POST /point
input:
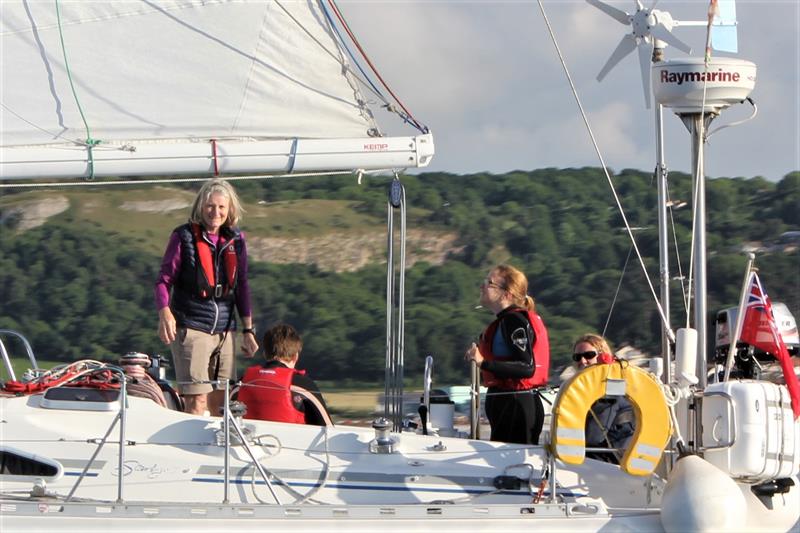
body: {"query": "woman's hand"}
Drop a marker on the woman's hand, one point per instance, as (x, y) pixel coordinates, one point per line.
(474, 354)
(167, 330)
(249, 344)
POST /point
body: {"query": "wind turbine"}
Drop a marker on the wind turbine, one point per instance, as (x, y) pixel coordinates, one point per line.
(651, 32)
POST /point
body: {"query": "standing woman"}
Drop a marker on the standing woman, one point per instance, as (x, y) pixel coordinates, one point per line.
(205, 270)
(514, 357)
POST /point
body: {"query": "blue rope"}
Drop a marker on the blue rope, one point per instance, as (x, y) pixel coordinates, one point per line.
(347, 49)
(405, 117)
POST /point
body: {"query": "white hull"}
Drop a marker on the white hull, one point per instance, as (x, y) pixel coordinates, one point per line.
(158, 517)
(174, 479)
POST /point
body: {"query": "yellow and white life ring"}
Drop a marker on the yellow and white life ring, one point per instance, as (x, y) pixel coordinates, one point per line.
(576, 396)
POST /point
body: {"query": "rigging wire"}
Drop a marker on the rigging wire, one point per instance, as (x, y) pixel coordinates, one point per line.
(682, 279)
(364, 78)
(616, 293)
(659, 308)
(352, 36)
(343, 42)
(684, 293)
(43, 130)
(365, 81)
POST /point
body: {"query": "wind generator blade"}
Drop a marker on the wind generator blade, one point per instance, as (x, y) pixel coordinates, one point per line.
(723, 33)
(625, 47)
(617, 14)
(660, 32)
(644, 66)
(724, 39)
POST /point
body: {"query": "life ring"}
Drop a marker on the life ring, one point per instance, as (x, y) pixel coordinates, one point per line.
(576, 396)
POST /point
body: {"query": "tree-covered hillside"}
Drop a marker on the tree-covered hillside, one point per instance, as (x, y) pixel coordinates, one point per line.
(80, 285)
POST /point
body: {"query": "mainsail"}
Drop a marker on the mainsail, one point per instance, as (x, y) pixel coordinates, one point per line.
(139, 87)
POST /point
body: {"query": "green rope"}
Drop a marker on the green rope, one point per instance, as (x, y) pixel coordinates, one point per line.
(90, 143)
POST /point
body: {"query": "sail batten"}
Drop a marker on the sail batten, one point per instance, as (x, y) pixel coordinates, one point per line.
(180, 71)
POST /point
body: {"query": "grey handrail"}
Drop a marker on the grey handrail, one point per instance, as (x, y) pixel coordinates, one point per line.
(426, 382)
(4, 352)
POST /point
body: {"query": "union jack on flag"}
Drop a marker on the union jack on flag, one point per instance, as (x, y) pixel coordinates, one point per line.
(760, 330)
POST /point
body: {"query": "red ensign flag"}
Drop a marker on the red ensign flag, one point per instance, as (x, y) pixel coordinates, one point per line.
(759, 330)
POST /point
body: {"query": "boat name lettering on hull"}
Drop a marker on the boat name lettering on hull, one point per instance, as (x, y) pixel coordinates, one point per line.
(153, 471)
(681, 77)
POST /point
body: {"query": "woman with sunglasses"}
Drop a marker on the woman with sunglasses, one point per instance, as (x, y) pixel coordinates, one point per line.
(610, 422)
(514, 357)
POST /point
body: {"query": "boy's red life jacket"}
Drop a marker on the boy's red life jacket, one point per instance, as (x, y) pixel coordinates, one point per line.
(268, 395)
(541, 359)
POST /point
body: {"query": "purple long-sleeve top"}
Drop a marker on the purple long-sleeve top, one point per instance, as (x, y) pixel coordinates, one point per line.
(171, 266)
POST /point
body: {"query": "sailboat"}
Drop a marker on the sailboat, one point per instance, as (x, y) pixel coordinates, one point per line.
(202, 87)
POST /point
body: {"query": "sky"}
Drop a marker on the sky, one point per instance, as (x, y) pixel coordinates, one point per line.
(485, 78)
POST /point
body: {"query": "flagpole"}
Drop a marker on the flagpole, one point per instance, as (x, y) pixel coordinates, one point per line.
(748, 275)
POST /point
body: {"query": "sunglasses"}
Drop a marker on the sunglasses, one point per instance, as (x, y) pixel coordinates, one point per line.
(584, 355)
(490, 283)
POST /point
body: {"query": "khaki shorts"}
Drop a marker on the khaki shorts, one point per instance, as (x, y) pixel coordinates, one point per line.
(191, 355)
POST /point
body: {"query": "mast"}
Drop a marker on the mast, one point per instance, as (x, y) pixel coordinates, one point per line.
(663, 238)
(682, 86)
(697, 124)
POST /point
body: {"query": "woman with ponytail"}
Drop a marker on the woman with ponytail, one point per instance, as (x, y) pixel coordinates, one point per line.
(513, 354)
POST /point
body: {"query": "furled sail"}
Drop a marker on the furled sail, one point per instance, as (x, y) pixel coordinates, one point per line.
(143, 87)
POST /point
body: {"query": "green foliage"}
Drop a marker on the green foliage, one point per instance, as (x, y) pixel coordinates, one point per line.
(81, 285)
(77, 292)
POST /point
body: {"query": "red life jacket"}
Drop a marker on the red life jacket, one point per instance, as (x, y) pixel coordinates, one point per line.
(541, 358)
(206, 275)
(269, 396)
(606, 358)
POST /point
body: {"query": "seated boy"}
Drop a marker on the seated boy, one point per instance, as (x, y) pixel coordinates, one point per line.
(266, 389)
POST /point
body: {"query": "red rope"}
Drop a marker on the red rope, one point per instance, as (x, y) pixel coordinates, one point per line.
(214, 156)
(97, 379)
(364, 55)
(539, 494)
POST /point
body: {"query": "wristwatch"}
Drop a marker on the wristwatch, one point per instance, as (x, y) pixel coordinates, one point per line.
(249, 330)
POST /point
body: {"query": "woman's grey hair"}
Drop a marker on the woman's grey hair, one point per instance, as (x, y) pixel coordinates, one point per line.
(214, 186)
